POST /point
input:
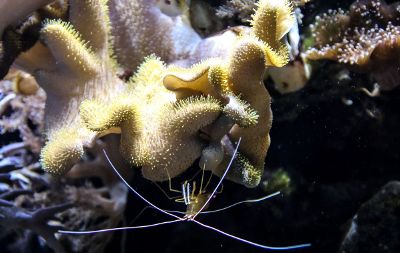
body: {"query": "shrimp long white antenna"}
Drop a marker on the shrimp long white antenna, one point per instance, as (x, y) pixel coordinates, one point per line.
(243, 202)
(298, 246)
(220, 181)
(137, 193)
(116, 229)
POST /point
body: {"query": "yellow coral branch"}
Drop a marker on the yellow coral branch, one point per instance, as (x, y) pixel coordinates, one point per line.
(100, 117)
(68, 47)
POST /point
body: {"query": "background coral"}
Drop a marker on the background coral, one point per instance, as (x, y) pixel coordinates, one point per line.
(366, 38)
(26, 111)
(20, 23)
(169, 37)
(30, 194)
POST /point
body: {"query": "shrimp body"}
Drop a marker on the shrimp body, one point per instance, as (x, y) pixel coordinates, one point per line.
(195, 204)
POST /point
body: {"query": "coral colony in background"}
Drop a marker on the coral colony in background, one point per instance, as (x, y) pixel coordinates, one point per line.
(169, 87)
(366, 38)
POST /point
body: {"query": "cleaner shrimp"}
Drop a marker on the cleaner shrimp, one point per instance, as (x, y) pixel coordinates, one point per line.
(195, 204)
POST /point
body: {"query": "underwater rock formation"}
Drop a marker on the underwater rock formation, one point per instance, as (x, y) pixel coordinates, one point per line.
(243, 9)
(366, 38)
(26, 110)
(376, 221)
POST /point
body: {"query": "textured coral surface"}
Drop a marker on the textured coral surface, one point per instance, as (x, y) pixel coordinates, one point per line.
(224, 94)
(366, 37)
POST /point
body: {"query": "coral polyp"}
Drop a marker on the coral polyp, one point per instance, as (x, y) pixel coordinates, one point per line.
(366, 38)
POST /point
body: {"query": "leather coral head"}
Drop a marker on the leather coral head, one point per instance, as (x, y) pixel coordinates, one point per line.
(167, 116)
(76, 65)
